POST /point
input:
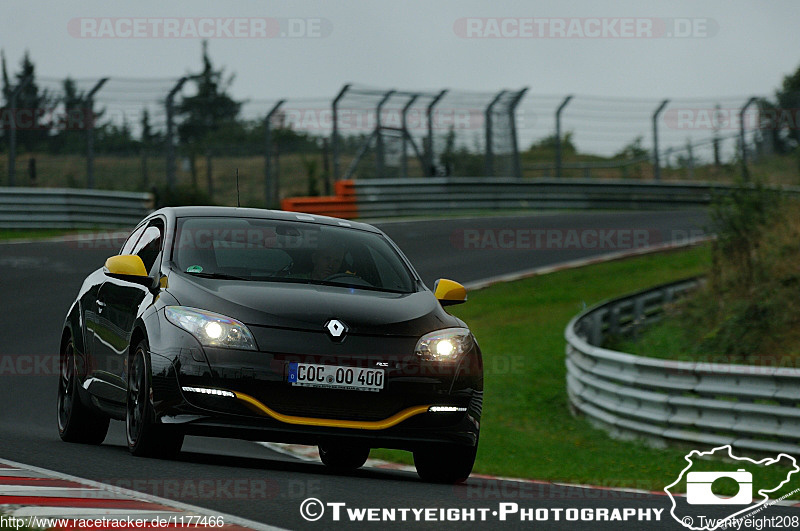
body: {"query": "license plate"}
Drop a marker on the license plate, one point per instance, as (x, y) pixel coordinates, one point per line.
(335, 377)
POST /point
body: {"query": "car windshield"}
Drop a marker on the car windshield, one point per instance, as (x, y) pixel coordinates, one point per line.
(284, 251)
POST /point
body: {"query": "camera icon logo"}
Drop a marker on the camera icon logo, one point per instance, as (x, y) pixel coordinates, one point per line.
(698, 488)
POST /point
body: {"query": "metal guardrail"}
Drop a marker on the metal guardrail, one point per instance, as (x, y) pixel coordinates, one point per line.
(402, 197)
(66, 208)
(749, 407)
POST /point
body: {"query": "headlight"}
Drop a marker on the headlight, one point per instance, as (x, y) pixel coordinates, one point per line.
(211, 329)
(444, 345)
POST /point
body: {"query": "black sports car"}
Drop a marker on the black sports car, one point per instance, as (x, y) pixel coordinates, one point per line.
(271, 326)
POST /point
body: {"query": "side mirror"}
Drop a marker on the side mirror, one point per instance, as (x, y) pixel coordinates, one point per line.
(449, 292)
(128, 267)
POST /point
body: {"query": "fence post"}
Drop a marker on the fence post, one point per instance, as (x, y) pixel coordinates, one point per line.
(270, 183)
(12, 132)
(404, 125)
(171, 132)
(656, 162)
(488, 167)
(429, 170)
(89, 122)
(745, 171)
(716, 124)
(558, 134)
(335, 132)
(512, 117)
(379, 154)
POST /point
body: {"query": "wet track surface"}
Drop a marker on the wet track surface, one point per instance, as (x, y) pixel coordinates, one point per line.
(39, 281)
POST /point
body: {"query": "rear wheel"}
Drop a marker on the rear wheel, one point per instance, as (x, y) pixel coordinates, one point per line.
(146, 438)
(445, 464)
(76, 422)
(343, 458)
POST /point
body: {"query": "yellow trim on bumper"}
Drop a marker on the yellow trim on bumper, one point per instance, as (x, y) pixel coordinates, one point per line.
(397, 418)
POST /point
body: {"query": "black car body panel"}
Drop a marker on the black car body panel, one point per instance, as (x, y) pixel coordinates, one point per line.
(287, 320)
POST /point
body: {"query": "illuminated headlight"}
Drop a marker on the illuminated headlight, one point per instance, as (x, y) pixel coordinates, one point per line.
(211, 329)
(444, 345)
(210, 391)
(446, 409)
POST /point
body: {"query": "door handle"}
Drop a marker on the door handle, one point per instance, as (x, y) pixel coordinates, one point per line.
(100, 306)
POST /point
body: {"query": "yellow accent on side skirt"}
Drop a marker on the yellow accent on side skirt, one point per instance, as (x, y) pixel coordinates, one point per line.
(397, 418)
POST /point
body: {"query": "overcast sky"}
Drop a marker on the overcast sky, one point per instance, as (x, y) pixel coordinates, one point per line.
(736, 47)
(721, 50)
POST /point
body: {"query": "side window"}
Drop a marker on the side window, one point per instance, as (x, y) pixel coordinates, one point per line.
(128, 246)
(149, 245)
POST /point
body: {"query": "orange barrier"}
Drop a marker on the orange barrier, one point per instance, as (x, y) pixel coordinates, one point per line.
(341, 205)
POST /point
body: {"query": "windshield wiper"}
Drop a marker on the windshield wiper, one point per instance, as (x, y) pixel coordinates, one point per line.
(219, 276)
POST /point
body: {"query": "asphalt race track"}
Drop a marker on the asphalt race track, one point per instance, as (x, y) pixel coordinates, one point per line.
(39, 281)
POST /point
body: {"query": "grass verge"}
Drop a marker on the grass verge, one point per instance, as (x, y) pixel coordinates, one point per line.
(527, 430)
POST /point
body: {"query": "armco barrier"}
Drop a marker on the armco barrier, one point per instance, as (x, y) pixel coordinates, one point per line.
(377, 198)
(702, 404)
(66, 208)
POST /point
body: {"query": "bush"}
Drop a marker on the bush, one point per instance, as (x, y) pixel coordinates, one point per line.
(749, 310)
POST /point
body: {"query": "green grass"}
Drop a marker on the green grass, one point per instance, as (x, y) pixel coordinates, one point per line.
(527, 429)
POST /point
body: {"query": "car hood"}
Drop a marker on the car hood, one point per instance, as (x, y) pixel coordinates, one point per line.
(309, 307)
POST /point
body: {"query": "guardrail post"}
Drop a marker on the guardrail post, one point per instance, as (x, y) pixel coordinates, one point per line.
(429, 169)
(270, 184)
(745, 171)
(558, 134)
(171, 131)
(488, 167)
(335, 132)
(596, 333)
(379, 152)
(12, 132)
(405, 133)
(656, 163)
(89, 122)
(512, 117)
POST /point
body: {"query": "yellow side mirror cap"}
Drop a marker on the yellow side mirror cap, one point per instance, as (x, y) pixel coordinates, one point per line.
(449, 292)
(126, 265)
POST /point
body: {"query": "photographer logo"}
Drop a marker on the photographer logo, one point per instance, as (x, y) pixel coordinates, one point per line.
(699, 488)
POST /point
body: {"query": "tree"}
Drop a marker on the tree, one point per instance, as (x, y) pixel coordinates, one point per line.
(33, 131)
(548, 143)
(781, 117)
(633, 150)
(71, 121)
(207, 113)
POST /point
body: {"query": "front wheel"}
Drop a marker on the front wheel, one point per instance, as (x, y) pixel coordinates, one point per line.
(76, 422)
(343, 458)
(146, 438)
(445, 464)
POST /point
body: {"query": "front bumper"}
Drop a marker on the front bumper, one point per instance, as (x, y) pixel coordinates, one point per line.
(256, 402)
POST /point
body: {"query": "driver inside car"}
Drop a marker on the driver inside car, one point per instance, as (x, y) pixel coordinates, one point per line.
(327, 261)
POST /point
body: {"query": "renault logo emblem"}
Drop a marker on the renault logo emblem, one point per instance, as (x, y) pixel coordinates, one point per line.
(336, 329)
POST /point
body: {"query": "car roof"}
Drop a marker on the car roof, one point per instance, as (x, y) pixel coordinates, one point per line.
(239, 212)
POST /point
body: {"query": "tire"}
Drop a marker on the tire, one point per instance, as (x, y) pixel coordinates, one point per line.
(146, 438)
(445, 464)
(343, 458)
(77, 423)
